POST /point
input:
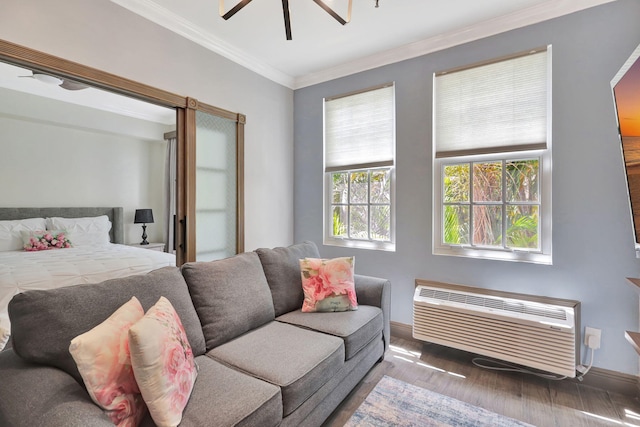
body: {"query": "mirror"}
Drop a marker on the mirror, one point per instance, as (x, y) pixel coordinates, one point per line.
(626, 95)
(71, 144)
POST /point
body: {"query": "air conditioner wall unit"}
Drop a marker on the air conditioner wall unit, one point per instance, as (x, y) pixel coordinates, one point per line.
(538, 332)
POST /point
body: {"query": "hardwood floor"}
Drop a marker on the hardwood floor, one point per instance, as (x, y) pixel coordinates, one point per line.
(537, 401)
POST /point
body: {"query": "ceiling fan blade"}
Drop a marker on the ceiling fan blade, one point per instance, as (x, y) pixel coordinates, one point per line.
(71, 85)
(331, 12)
(287, 18)
(45, 78)
(235, 9)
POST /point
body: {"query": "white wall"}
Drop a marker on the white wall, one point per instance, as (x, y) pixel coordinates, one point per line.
(593, 244)
(47, 163)
(106, 36)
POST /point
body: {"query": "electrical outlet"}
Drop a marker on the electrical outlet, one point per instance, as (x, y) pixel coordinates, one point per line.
(592, 332)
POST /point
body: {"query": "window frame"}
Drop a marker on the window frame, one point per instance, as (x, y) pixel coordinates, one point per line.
(544, 254)
(540, 256)
(328, 238)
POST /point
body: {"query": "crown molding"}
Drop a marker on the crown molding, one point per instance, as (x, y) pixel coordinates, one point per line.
(169, 20)
(533, 15)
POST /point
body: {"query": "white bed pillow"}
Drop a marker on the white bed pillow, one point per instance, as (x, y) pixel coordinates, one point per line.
(10, 237)
(85, 231)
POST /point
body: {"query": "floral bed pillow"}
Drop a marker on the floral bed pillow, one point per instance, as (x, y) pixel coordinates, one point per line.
(102, 356)
(44, 240)
(328, 284)
(163, 363)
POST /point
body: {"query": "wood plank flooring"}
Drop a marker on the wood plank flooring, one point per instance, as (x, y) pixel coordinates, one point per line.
(535, 400)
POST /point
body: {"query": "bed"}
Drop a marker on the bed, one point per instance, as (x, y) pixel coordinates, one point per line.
(99, 255)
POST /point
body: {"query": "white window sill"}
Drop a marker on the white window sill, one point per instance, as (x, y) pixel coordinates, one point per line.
(498, 255)
(360, 244)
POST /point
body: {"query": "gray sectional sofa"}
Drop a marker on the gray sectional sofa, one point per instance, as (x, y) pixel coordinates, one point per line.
(262, 362)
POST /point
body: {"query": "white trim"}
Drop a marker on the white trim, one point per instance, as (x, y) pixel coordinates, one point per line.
(541, 12)
(533, 15)
(169, 20)
(360, 244)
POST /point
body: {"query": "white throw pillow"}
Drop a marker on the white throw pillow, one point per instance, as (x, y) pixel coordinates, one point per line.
(85, 231)
(10, 236)
(102, 356)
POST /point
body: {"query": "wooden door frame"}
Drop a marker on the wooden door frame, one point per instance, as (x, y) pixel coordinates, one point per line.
(185, 131)
(194, 105)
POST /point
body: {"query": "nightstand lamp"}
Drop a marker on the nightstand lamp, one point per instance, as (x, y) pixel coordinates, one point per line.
(144, 217)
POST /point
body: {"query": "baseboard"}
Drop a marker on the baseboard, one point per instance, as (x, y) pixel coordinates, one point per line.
(402, 330)
(613, 381)
(605, 379)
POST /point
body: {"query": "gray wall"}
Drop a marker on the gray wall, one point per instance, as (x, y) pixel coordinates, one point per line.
(106, 36)
(593, 247)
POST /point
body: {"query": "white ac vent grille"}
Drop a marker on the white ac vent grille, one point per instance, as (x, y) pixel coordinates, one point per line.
(495, 303)
(522, 331)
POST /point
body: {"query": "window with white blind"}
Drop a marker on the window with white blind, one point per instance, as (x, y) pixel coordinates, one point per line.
(492, 159)
(359, 159)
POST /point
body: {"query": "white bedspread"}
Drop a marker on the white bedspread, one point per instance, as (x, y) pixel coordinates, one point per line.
(22, 271)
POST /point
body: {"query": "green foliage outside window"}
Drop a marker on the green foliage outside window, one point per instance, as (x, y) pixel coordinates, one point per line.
(361, 204)
(477, 188)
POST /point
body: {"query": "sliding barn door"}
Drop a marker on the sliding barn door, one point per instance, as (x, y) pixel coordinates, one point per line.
(214, 214)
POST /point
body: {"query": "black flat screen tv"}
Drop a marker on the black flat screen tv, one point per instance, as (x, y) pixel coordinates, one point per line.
(626, 95)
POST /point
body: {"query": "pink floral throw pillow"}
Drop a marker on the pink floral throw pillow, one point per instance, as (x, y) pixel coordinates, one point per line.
(328, 284)
(44, 240)
(163, 363)
(102, 356)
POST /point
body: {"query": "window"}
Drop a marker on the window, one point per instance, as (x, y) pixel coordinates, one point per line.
(492, 160)
(359, 151)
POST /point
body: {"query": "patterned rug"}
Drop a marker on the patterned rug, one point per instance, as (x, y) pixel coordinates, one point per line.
(395, 403)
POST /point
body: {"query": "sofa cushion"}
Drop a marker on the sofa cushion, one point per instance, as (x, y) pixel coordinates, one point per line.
(356, 328)
(230, 295)
(38, 395)
(297, 360)
(43, 323)
(225, 397)
(162, 362)
(282, 268)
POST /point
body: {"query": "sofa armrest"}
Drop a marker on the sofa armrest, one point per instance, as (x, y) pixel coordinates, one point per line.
(376, 292)
(36, 395)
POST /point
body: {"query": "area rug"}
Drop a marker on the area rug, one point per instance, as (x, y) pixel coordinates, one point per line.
(395, 403)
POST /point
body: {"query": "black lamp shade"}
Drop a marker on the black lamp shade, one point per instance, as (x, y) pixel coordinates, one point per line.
(143, 216)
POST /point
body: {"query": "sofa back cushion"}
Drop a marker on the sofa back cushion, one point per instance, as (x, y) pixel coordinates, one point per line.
(282, 269)
(230, 295)
(43, 323)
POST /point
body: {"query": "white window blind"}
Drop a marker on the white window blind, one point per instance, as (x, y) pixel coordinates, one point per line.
(360, 130)
(496, 107)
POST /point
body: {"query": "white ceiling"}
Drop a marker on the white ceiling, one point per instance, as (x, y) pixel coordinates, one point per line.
(322, 49)
(16, 78)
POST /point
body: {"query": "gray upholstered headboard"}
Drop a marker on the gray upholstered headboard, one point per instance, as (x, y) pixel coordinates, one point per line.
(115, 216)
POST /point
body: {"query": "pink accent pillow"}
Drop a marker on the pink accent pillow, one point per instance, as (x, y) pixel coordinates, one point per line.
(328, 284)
(163, 363)
(44, 240)
(102, 356)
